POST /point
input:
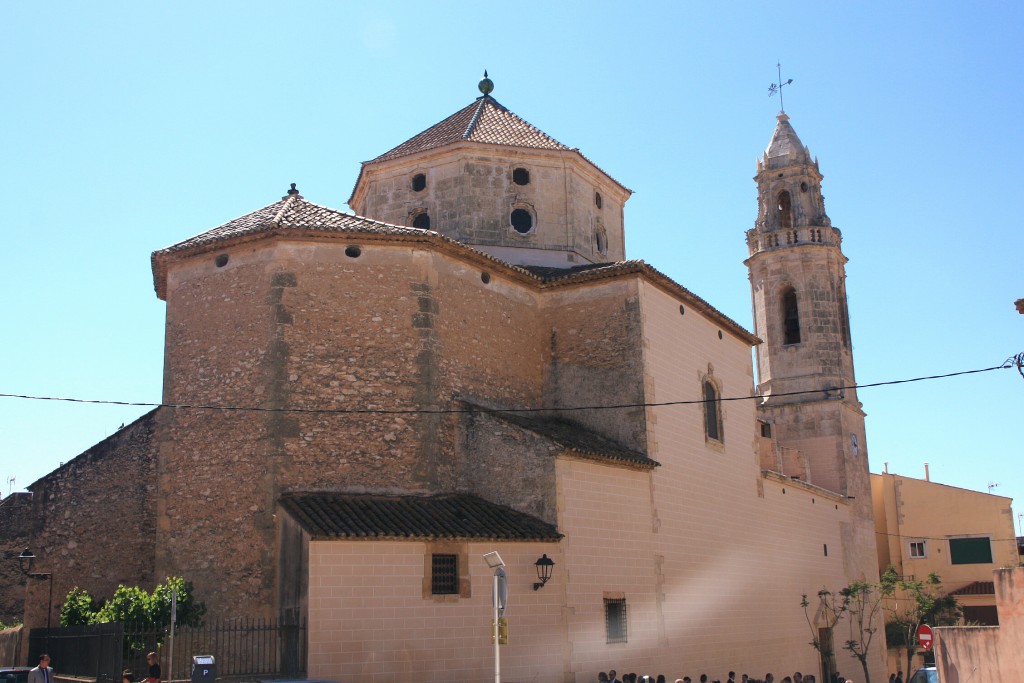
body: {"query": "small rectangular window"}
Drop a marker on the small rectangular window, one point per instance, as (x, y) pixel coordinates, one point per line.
(444, 575)
(615, 620)
(917, 549)
(970, 550)
(766, 430)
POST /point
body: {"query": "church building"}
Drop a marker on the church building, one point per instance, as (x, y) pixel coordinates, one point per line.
(360, 406)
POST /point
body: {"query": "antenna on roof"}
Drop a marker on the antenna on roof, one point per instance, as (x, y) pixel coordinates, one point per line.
(486, 85)
(777, 87)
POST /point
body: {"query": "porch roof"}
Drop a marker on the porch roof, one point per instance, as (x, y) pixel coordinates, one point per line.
(337, 516)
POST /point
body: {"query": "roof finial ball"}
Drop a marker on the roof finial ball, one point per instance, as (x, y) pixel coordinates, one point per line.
(486, 85)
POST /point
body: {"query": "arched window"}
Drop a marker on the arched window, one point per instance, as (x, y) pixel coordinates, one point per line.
(712, 412)
(601, 239)
(785, 210)
(790, 317)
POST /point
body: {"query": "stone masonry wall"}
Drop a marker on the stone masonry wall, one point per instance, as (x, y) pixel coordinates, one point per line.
(95, 521)
(15, 535)
(823, 357)
(469, 197)
(305, 326)
(596, 345)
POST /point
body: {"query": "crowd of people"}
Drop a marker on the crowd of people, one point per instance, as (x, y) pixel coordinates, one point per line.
(612, 676)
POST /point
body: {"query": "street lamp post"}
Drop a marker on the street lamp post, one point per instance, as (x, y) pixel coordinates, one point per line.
(499, 596)
(26, 560)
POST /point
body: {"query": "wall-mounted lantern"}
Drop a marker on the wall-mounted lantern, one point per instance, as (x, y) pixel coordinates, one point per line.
(544, 566)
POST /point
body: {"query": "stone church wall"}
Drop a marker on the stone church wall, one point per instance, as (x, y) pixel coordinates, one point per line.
(95, 520)
(304, 325)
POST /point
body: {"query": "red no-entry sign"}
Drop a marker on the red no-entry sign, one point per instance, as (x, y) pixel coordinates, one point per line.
(924, 636)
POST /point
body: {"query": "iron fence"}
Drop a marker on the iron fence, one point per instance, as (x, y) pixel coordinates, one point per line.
(242, 647)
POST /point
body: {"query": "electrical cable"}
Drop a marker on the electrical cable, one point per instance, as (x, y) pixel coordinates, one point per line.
(1014, 361)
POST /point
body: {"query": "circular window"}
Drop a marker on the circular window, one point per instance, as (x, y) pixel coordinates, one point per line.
(221, 260)
(522, 221)
(521, 176)
(682, 311)
(422, 221)
(419, 182)
(485, 277)
(353, 251)
(597, 200)
(719, 334)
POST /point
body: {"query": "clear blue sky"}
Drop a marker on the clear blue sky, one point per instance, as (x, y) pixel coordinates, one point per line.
(131, 126)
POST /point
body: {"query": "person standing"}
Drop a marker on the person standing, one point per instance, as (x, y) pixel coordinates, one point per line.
(42, 673)
(153, 676)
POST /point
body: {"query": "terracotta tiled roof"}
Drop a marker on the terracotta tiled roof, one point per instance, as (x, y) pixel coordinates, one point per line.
(577, 439)
(486, 121)
(976, 588)
(294, 215)
(292, 212)
(370, 517)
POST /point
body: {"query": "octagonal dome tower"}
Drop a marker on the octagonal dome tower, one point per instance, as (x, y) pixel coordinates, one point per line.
(488, 178)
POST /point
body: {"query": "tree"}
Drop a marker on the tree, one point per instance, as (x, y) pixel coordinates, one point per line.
(860, 602)
(912, 602)
(131, 604)
(79, 608)
(863, 601)
(830, 610)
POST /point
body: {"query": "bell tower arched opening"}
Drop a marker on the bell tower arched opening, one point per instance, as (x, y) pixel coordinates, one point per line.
(784, 210)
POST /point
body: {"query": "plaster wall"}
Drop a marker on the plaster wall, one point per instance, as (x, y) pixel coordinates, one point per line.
(371, 621)
(932, 513)
(987, 654)
(729, 560)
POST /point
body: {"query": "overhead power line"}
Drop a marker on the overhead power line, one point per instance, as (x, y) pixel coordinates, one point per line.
(1014, 361)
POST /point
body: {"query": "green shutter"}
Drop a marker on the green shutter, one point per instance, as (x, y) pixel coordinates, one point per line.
(970, 550)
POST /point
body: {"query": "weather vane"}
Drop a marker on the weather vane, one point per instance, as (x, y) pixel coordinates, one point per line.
(777, 87)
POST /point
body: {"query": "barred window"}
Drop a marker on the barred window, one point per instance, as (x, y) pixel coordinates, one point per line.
(444, 576)
(615, 620)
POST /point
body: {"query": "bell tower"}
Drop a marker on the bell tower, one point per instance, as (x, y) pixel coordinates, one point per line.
(805, 362)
